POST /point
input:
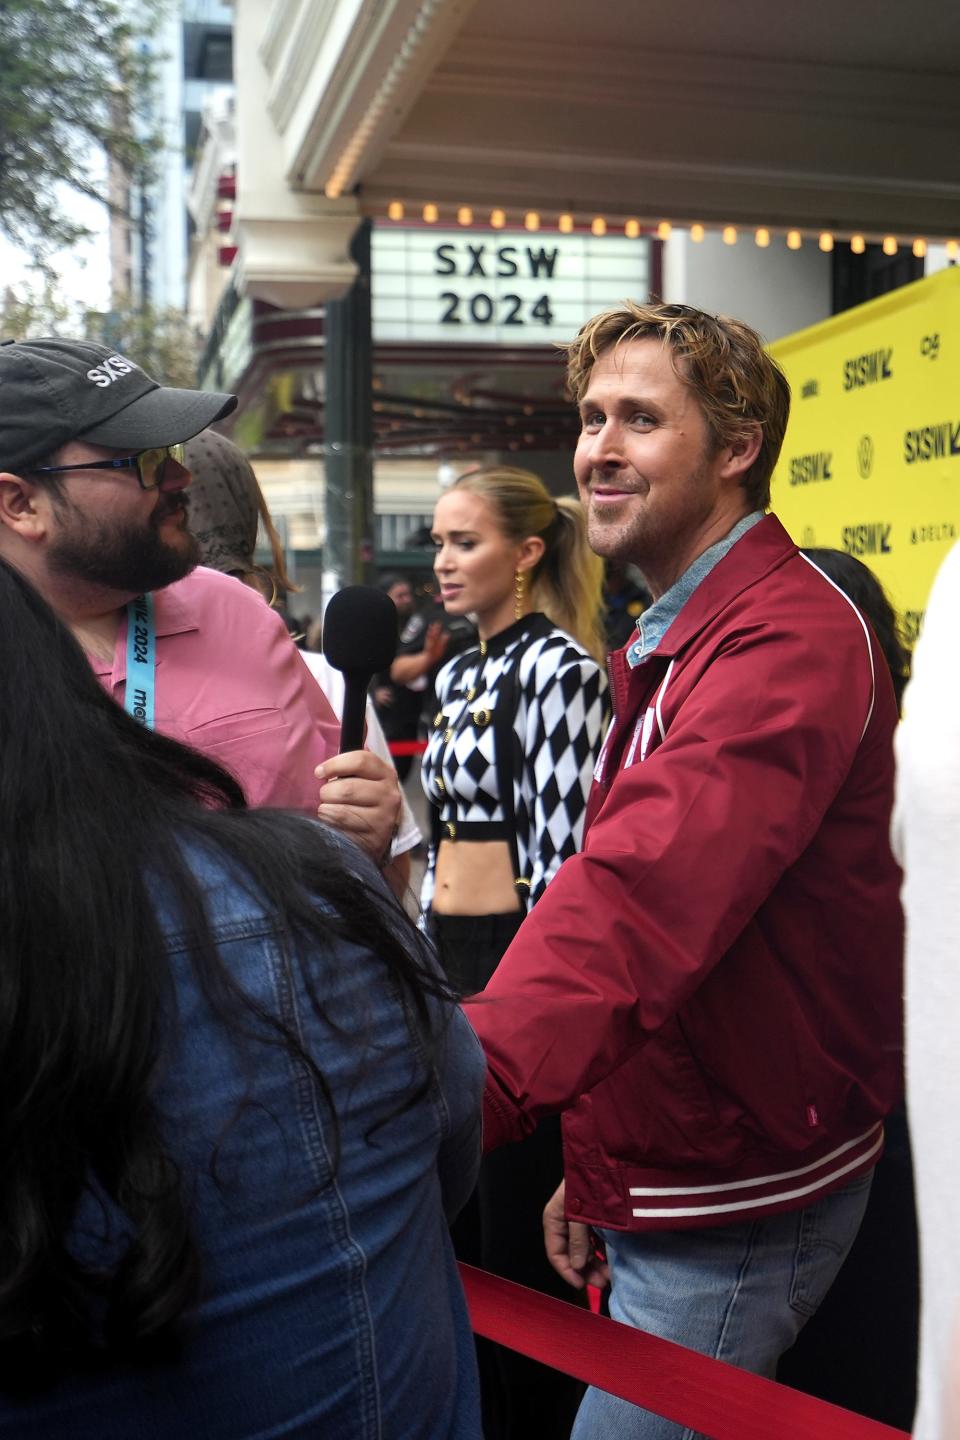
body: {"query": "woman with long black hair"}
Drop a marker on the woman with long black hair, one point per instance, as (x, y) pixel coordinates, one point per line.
(237, 1101)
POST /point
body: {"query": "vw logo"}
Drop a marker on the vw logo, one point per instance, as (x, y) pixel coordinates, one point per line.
(865, 457)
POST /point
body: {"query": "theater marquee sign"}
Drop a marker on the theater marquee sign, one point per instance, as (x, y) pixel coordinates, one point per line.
(498, 287)
(871, 460)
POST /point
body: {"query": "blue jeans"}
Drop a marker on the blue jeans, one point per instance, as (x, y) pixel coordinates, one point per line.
(740, 1293)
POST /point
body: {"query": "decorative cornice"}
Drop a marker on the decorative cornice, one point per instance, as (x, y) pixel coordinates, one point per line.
(291, 52)
(298, 259)
(280, 27)
(346, 77)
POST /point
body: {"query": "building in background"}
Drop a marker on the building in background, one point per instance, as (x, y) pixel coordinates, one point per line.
(778, 171)
(149, 239)
(810, 130)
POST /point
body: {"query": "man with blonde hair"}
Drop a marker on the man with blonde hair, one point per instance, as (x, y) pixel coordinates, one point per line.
(710, 991)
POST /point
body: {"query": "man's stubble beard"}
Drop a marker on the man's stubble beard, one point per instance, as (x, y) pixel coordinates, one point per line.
(629, 541)
(647, 537)
(612, 542)
(126, 558)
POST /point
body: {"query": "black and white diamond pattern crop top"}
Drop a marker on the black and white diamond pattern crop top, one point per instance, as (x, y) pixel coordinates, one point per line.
(558, 692)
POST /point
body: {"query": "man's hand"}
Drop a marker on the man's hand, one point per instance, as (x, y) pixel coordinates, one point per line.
(360, 795)
(406, 669)
(435, 643)
(570, 1246)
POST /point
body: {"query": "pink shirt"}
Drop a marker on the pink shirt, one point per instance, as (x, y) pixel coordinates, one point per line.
(231, 682)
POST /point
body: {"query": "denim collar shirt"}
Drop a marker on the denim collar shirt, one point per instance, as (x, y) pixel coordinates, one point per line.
(656, 621)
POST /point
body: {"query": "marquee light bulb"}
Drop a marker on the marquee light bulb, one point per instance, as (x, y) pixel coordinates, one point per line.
(729, 235)
(953, 249)
(531, 221)
(697, 233)
(664, 230)
(632, 229)
(497, 219)
(395, 210)
(762, 237)
(464, 215)
(598, 225)
(919, 248)
(565, 224)
(889, 245)
(794, 239)
(826, 242)
(857, 244)
(430, 214)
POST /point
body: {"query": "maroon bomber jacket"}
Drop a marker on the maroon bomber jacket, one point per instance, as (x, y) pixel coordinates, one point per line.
(711, 990)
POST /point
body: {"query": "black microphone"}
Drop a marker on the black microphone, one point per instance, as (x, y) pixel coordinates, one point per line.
(360, 630)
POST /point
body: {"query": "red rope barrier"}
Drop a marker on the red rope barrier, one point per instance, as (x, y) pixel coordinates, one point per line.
(707, 1395)
(406, 747)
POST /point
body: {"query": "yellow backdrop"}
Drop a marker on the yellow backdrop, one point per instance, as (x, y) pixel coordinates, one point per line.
(871, 459)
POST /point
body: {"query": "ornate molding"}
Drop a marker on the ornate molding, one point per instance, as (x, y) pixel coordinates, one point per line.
(292, 53)
(347, 76)
(297, 259)
(280, 27)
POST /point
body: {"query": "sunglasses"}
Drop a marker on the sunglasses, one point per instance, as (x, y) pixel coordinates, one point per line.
(150, 465)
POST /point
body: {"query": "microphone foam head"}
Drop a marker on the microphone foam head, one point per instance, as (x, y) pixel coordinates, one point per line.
(360, 629)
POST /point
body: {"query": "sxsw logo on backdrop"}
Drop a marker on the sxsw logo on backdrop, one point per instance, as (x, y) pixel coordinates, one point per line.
(809, 389)
(932, 442)
(872, 539)
(808, 469)
(868, 369)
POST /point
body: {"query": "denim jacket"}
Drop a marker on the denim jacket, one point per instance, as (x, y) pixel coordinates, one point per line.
(331, 1303)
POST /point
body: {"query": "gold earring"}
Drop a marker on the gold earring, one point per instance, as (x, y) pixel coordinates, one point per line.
(519, 593)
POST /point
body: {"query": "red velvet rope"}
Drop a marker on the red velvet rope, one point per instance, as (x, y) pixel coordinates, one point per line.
(707, 1395)
(406, 747)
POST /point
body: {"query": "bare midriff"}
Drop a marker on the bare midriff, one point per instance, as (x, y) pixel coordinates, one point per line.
(474, 877)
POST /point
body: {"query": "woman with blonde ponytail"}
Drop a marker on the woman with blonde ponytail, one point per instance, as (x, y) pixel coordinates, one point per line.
(568, 585)
(509, 764)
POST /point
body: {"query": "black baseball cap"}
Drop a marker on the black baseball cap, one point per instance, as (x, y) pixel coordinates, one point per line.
(54, 390)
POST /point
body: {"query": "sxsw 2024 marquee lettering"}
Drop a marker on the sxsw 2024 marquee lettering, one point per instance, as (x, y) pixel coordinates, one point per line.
(501, 262)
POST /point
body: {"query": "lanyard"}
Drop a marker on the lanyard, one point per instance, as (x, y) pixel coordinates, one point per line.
(141, 687)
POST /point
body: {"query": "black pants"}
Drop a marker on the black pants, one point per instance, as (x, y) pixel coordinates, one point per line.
(500, 1228)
